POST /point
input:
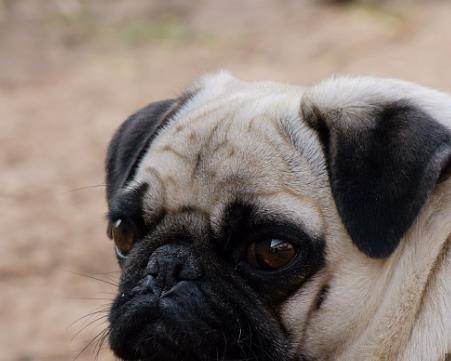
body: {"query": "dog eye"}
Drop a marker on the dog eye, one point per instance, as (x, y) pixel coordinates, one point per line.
(271, 254)
(123, 238)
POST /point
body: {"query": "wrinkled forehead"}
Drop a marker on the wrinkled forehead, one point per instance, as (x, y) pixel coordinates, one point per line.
(245, 142)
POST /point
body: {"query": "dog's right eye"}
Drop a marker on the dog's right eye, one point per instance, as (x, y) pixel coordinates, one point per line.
(271, 254)
(123, 238)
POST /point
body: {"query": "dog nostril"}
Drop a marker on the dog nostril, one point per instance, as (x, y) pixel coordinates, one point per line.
(171, 264)
(148, 285)
(148, 281)
(189, 272)
(178, 267)
(152, 267)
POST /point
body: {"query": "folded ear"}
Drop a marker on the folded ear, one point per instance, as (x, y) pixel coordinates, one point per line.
(132, 139)
(384, 158)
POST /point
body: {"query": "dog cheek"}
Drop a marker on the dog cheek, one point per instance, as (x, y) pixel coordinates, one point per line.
(297, 311)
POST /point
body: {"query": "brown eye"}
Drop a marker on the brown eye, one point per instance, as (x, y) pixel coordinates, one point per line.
(123, 238)
(271, 254)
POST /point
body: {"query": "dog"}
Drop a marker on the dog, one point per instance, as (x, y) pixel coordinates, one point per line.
(265, 221)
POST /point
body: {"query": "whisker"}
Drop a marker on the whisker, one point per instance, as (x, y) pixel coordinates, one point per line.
(90, 298)
(111, 278)
(96, 278)
(103, 310)
(89, 344)
(86, 326)
(108, 278)
(101, 341)
(106, 273)
(87, 187)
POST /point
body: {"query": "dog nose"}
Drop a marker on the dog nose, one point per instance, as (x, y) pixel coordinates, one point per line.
(170, 264)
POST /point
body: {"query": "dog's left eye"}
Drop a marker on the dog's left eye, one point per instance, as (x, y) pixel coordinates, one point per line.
(123, 238)
(271, 254)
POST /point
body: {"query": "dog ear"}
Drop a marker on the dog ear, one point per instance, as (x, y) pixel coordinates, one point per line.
(132, 139)
(384, 159)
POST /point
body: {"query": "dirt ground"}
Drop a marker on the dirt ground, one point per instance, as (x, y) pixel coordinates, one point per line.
(72, 70)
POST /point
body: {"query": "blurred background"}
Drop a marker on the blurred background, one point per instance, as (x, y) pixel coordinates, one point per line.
(72, 70)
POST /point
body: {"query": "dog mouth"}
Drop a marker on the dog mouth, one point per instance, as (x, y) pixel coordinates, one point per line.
(151, 326)
(192, 325)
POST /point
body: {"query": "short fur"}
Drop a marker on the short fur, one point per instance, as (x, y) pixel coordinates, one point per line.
(354, 171)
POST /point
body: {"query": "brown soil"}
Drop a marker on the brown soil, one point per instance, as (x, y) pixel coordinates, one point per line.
(72, 70)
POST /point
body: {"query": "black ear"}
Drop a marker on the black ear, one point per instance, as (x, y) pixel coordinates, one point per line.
(383, 161)
(131, 141)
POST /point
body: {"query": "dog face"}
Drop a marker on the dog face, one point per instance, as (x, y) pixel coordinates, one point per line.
(250, 218)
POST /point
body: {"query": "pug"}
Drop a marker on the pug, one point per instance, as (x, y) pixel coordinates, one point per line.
(265, 221)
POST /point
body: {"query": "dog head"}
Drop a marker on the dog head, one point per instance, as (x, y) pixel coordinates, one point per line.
(247, 217)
